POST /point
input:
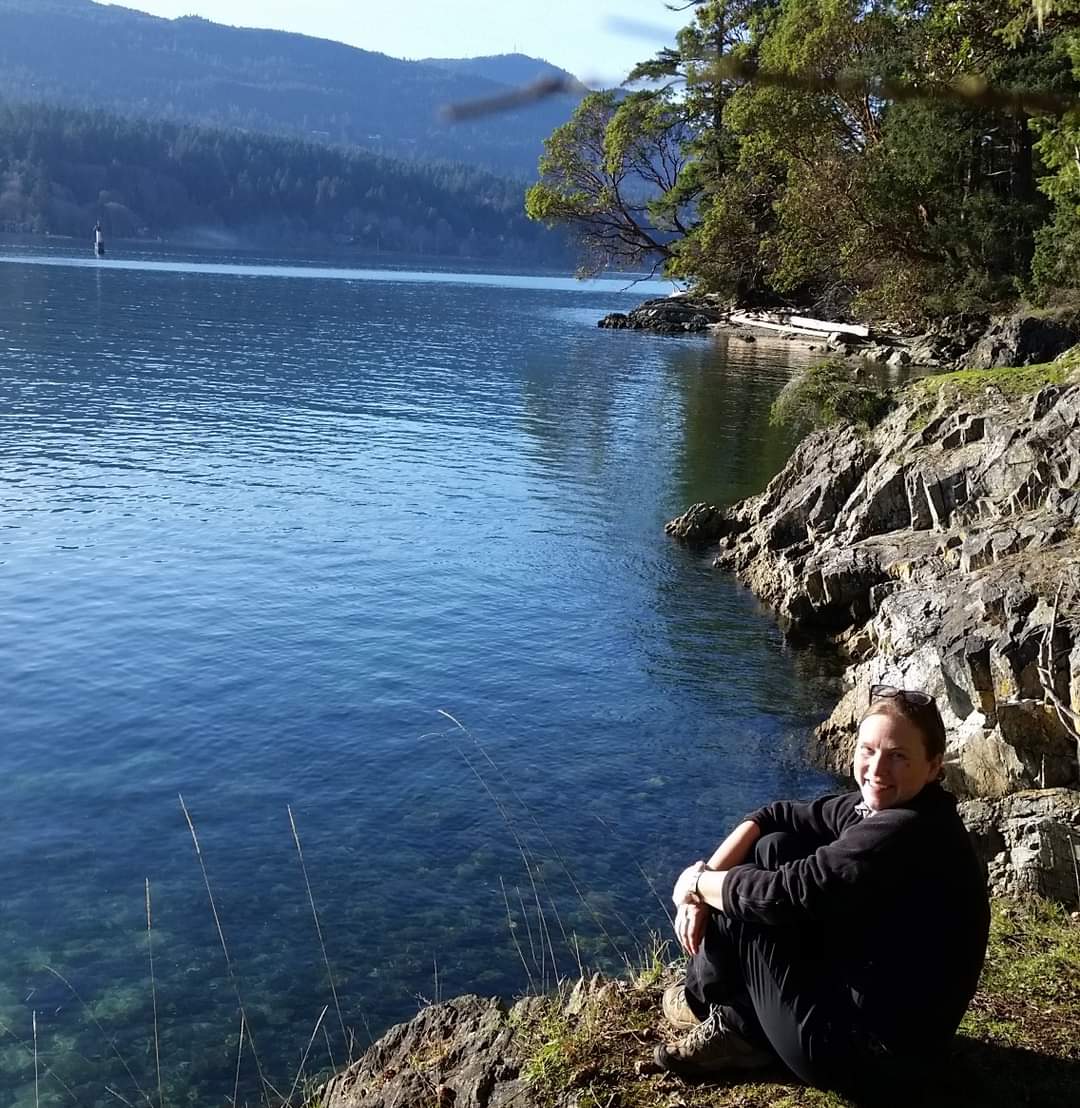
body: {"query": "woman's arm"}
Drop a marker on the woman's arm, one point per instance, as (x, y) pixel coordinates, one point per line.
(700, 886)
(735, 849)
(703, 881)
(823, 820)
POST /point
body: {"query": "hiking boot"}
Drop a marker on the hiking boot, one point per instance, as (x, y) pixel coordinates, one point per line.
(676, 1010)
(711, 1047)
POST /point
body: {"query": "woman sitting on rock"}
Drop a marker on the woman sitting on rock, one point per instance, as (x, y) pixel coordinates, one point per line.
(843, 937)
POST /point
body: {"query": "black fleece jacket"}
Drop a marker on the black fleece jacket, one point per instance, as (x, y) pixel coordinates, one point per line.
(899, 897)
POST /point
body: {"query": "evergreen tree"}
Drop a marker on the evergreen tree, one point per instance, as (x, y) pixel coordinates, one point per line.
(813, 186)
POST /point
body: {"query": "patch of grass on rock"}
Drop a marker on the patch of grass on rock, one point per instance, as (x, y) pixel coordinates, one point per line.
(1010, 381)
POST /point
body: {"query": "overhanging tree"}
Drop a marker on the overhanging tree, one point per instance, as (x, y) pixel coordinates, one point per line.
(631, 171)
(611, 174)
(849, 175)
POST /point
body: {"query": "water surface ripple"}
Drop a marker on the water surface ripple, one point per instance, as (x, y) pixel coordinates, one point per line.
(254, 534)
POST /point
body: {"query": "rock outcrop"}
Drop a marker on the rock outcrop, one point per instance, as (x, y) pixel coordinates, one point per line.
(668, 315)
(1022, 339)
(1029, 842)
(975, 341)
(470, 1052)
(462, 1053)
(942, 552)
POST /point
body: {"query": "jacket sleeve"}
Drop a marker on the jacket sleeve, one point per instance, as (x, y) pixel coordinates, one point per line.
(832, 881)
(823, 819)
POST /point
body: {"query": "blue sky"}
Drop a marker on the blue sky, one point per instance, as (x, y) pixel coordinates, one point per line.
(579, 35)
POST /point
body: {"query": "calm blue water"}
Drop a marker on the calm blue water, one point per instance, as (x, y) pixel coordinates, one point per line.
(258, 526)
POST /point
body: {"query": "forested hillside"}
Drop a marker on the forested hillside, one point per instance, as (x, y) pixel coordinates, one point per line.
(862, 170)
(506, 69)
(62, 169)
(83, 54)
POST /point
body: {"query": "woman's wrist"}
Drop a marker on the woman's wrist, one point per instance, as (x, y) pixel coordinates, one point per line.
(711, 892)
(697, 883)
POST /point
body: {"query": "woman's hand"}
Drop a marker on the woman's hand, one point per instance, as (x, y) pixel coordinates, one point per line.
(690, 923)
(684, 888)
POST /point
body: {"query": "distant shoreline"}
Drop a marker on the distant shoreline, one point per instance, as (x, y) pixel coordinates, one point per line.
(302, 256)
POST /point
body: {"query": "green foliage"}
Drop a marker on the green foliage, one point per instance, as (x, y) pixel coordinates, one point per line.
(554, 1040)
(62, 169)
(835, 198)
(629, 172)
(615, 174)
(652, 964)
(827, 393)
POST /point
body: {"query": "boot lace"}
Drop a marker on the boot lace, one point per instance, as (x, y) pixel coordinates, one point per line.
(711, 1028)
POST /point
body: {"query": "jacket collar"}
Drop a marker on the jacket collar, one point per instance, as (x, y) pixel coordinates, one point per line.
(930, 798)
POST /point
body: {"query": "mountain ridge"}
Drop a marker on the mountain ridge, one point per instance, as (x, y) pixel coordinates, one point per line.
(88, 55)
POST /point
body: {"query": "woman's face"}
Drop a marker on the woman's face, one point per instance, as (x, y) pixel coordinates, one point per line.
(891, 765)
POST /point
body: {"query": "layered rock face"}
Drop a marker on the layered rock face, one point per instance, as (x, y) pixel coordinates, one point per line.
(942, 550)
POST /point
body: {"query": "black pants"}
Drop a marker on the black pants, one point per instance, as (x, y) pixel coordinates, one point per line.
(779, 987)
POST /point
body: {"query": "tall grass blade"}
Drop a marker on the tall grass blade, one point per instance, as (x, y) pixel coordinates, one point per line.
(329, 1049)
(528, 927)
(239, 1054)
(307, 1051)
(547, 838)
(545, 933)
(37, 1101)
(645, 877)
(526, 856)
(29, 1048)
(565, 937)
(153, 994)
(318, 926)
(513, 935)
(225, 950)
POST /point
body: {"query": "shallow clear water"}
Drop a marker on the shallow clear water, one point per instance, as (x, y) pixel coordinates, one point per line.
(257, 527)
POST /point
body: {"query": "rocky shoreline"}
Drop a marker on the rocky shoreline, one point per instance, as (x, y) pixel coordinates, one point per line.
(978, 341)
(941, 551)
(589, 1044)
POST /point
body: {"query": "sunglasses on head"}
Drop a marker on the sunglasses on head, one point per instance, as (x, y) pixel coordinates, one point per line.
(914, 697)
